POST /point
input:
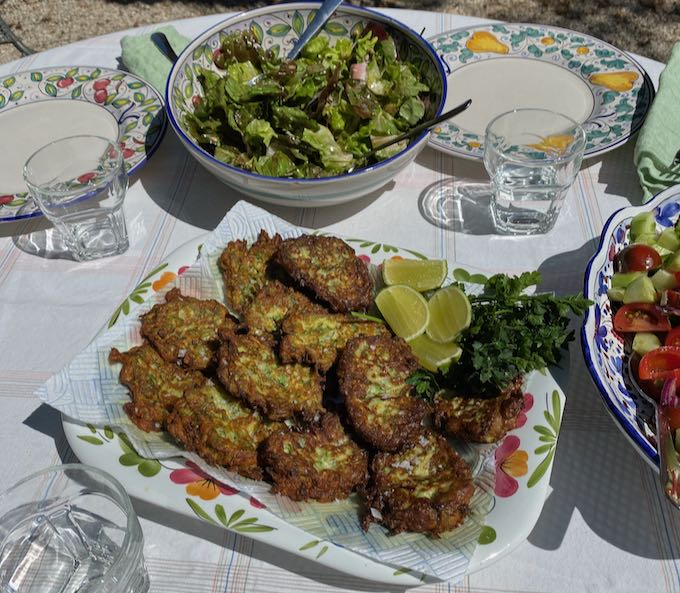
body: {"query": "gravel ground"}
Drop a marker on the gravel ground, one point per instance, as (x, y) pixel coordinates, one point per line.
(646, 27)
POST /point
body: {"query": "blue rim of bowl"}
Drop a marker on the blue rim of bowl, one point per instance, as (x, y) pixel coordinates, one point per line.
(644, 447)
(191, 143)
(152, 149)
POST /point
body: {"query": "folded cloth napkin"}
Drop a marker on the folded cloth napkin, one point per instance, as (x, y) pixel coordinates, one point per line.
(659, 141)
(142, 58)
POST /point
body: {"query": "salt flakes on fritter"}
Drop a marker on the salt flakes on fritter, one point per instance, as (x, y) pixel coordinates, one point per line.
(245, 269)
(155, 385)
(329, 268)
(318, 338)
(480, 420)
(372, 374)
(221, 429)
(321, 463)
(249, 369)
(184, 329)
(424, 489)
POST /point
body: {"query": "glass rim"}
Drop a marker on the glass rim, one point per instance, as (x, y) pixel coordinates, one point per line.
(572, 155)
(90, 187)
(132, 522)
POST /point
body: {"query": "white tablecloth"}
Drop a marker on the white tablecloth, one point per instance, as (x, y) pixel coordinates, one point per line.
(605, 525)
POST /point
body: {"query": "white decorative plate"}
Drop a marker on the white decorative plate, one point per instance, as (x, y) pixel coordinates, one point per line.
(602, 346)
(40, 106)
(507, 66)
(523, 460)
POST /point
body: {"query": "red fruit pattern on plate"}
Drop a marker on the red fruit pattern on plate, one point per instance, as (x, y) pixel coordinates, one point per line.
(6, 199)
(100, 95)
(196, 100)
(100, 85)
(65, 82)
(85, 177)
(128, 153)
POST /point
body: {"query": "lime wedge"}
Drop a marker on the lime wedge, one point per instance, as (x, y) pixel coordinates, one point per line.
(432, 355)
(404, 309)
(450, 314)
(419, 274)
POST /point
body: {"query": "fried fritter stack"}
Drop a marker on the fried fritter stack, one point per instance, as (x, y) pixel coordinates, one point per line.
(298, 390)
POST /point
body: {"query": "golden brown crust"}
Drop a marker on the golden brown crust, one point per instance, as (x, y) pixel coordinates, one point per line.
(330, 269)
(221, 429)
(155, 385)
(372, 374)
(424, 489)
(272, 304)
(318, 338)
(321, 463)
(184, 329)
(480, 420)
(250, 370)
(245, 269)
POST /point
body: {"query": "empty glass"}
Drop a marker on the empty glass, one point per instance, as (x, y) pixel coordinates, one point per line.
(79, 184)
(532, 157)
(70, 528)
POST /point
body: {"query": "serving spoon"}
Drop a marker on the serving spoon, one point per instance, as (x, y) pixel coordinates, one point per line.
(325, 11)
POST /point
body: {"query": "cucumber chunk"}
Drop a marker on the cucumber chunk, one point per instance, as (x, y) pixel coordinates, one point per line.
(643, 223)
(640, 290)
(669, 239)
(644, 342)
(662, 280)
(673, 262)
(623, 279)
(616, 294)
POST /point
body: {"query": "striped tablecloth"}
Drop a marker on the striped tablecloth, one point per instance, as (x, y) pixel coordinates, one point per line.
(605, 525)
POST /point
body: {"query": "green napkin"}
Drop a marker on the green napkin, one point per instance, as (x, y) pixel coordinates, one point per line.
(142, 58)
(659, 139)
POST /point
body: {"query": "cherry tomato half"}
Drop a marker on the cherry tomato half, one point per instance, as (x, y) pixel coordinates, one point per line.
(638, 258)
(671, 298)
(661, 363)
(641, 317)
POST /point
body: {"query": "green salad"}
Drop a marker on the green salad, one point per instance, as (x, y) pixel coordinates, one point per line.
(315, 116)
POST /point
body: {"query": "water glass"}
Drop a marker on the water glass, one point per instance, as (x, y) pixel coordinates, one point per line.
(70, 528)
(79, 183)
(532, 157)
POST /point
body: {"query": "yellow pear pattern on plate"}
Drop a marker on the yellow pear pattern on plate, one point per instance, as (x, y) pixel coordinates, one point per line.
(616, 81)
(556, 144)
(483, 41)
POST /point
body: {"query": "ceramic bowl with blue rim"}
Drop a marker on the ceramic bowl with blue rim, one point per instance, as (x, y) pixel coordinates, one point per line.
(278, 28)
(603, 348)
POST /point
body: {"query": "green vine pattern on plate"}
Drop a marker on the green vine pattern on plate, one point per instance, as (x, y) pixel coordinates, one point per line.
(137, 295)
(233, 522)
(548, 436)
(313, 544)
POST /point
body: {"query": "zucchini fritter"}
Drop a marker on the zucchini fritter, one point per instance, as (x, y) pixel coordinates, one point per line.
(318, 338)
(372, 375)
(220, 428)
(330, 269)
(272, 304)
(250, 370)
(245, 269)
(155, 385)
(480, 420)
(321, 463)
(425, 489)
(184, 329)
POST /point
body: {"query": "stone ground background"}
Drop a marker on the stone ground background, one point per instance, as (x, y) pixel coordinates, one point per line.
(646, 27)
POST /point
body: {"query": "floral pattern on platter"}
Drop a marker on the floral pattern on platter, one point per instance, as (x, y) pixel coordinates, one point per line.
(277, 32)
(603, 348)
(135, 105)
(621, 90)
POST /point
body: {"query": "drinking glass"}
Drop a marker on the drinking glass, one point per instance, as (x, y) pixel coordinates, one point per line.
(79, 183)
(532, 157)
(70, 528)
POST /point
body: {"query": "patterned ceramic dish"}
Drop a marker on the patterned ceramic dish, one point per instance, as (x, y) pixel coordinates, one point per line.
(523, 462)
(602, 347)
(507, 66)
(278, 27)
(40, 106)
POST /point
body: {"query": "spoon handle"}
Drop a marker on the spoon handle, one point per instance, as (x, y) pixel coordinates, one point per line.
(163, 44)
(322, 15)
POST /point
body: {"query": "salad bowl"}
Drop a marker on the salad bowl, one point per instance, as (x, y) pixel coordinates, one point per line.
(603, 348)
(277, 28)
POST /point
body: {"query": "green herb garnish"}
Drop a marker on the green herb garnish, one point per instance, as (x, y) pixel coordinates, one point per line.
(424, 383)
